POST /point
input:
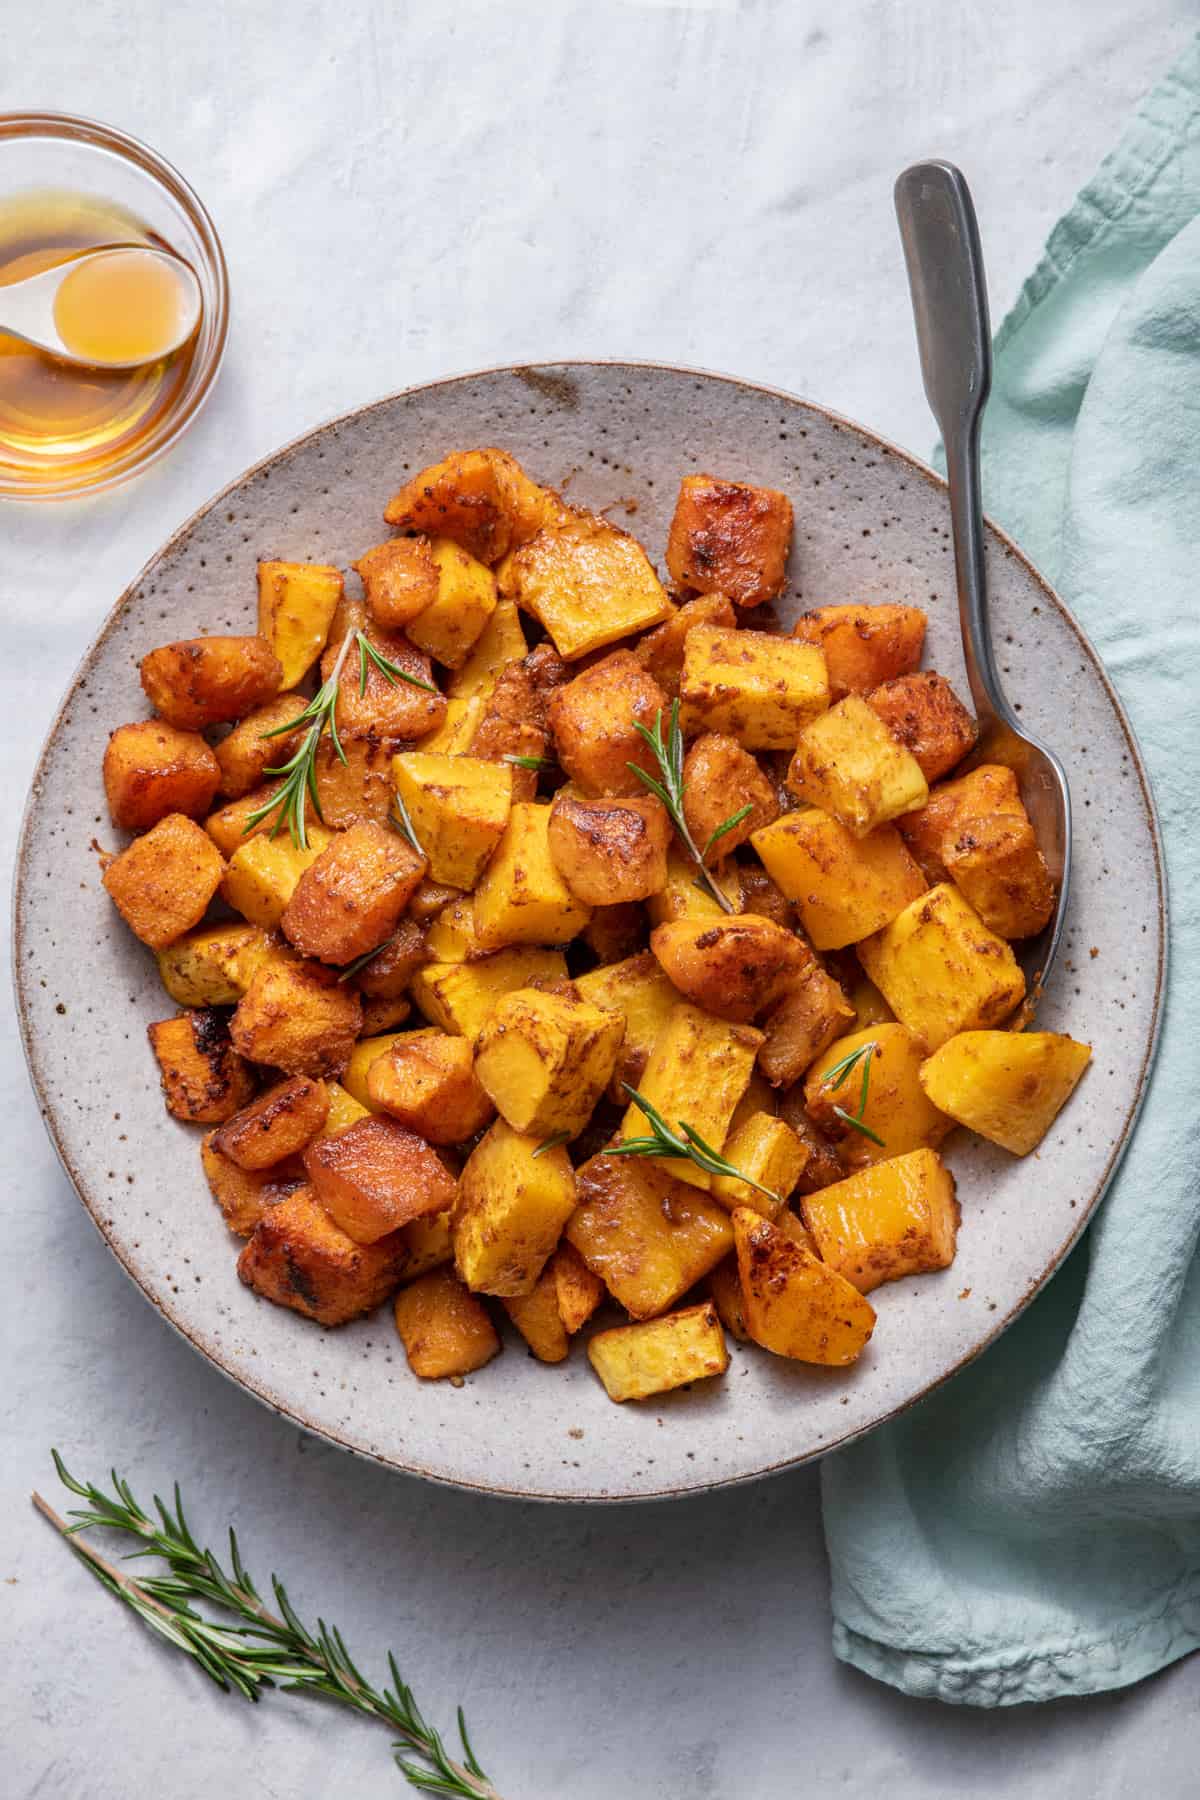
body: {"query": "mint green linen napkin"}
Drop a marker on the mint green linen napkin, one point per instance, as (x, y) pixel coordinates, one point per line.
(1033, 1529)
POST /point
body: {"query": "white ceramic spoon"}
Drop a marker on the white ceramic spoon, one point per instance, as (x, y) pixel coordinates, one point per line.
(28, 308)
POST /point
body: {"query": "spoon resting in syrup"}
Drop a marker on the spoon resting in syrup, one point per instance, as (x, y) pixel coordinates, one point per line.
(114, 308)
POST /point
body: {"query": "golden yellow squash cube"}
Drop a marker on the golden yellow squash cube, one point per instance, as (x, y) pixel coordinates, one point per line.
(545, 1060)
(522, 898)
(794, 1304)
(647, 1236)
(635, 1361)
(845, 887)
(941, 970)
(645, 998)
(586, 581)
(698, 1070)
(456, 732)
(511, 1208)
(212, 966)
(466, 600)
(344, 1110)
(444, 1329)
(537, 1318)
(896, 1218)
(265, 872)
(752, 685)
(460, 996)
(428, 1243)
(501, 642)
(451, 935)
(897, 1108)
(364, 1054)
(848, 763)
(578, 1291)
(684, 898)
(296, 604)
(1008, 1086)
(458, 806)
(769, 1152)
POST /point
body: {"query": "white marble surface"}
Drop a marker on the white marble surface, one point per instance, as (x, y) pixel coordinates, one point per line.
(403, 192)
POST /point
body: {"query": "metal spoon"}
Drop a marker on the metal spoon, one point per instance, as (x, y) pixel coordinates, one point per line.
(27, 308)
(949, 295)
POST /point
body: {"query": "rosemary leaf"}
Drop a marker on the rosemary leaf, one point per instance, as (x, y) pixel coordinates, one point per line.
(552, 1143)
(360, 962)
(391, 671)
(404, 824)
(686, 1143)
(527, 762)
(668, 787)
(841, 1072)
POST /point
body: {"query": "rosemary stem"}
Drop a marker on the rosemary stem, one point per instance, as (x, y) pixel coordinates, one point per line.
(110, 1570)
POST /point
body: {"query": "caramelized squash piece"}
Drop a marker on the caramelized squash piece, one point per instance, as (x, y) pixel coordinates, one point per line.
(731, 537)
(299, 1258)
(445, 1330)
(377, 1176)
(152, 769)
(207, 681)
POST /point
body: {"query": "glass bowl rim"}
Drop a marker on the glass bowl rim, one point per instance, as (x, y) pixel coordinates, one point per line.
(74, 128)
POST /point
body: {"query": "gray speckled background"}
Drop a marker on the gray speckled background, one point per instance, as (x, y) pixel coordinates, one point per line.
(707, 183)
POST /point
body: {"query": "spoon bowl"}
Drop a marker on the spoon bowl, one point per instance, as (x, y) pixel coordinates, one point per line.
(120, 306)
(940, 235)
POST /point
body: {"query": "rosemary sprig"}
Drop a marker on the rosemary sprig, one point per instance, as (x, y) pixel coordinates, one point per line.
(552, 1143)
(668, 754)
(404, 824)
(686, 1142)
(299, 784)
(360, 962)
(527, 762)
(842, 1071)
(250, 1649)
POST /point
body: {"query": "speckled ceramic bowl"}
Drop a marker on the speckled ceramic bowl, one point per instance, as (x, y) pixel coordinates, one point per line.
(871, 524)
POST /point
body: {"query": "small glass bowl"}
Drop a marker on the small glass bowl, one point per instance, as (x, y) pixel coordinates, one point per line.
(59, 151)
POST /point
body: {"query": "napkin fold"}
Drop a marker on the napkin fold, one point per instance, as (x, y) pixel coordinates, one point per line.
(1033, 1528)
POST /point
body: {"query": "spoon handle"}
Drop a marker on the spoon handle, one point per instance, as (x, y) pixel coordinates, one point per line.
(949, 295)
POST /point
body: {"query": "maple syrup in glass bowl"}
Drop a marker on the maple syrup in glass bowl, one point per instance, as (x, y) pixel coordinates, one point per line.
(68, 185)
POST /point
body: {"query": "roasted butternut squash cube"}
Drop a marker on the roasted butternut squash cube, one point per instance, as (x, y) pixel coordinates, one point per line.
(298, 1257)
(430, 1244)
(941, 970)
(751, 685)
(162, 883)
(297, 1017)
(646, 1235)
(720, 780)
(375, 1177)
(923, 713)
(537, 1318)
(610, 851)
(767, 1151)
(586, 581)
(427, 1080)
(245, 1195)
(844, 887)
(359, 788)
(204, 1080)
(212, 966)
(730, 537)
(350, 899)
(296, 604)
(522, 898)
(793, 1304)
(252, 747)
(387, 708)
(636, 1361)
(898, 1218)
(344, 1110)
(870, 1007)
(451, 936)
(698, 1070)
(1008, 1086)
(445, 1330)
(577, 1291)
(514, 1197)
(381, 1015)
(207, 681)
(460, 997)
(989, 792)
(264, 873)
(882, 1090)
(811, 1014)
(848, 763)
(152, 769)
(725, 1287)
(400, 580)
(363, 1057)
(645, 998)
(386, 976)
(459, 807)
(456, 732)
(683, 897)
(757, 1097)
(233, 825)
(734, 967)
(481, 498)
(545, 1060)
(593, 721)
(499, 645)
(277, 1124)
(466, 600)
(997, 864)
(660, 652)
(864, 646)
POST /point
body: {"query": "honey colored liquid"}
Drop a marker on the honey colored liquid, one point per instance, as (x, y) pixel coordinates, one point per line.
(57, 422)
